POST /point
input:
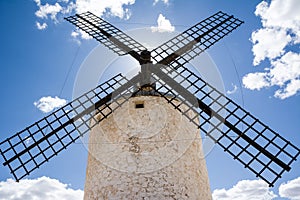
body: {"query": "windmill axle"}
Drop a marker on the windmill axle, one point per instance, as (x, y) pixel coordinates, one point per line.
(145, 57)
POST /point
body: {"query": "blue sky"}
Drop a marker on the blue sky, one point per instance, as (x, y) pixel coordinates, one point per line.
(41, 55)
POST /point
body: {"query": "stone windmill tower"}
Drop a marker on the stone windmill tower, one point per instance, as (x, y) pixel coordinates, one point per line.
(144, 138)
(151, 156)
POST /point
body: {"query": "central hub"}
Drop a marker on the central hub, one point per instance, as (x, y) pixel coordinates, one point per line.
(145, 57)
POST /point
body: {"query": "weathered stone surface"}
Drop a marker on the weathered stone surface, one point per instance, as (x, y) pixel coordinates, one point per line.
(146, 153)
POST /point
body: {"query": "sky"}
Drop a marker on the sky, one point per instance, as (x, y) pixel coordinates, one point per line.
(41, 55)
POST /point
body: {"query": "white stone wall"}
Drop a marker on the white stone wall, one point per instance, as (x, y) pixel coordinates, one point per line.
(146, 153)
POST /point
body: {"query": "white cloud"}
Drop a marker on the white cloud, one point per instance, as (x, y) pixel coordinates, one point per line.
(291, 89)
(234, 89)
(164, 1)
(68, 8)
(283, 73)
(48, 10)
(48, 104)
(264, 45)
(98, 7)
(115, 8)
(255, 80)
(42, 188)
(291, 189)
(245, 190)
(280, 30)
(281, 23)
(41, 26)
(279, 14)
(74, 34)
(163, 25)
(80, 33)
(285, 69)
(38, 2)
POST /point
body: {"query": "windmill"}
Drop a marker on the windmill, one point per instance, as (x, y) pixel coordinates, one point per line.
(163, 75)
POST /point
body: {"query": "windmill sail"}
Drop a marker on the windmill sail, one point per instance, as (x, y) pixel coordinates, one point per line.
(27, 150)
(107, 34)
(247, 139)
(190, 43)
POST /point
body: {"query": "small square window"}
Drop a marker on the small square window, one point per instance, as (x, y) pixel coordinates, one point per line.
(139, 104)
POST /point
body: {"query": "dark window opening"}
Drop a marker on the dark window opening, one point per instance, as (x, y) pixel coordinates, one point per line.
(139, 105)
